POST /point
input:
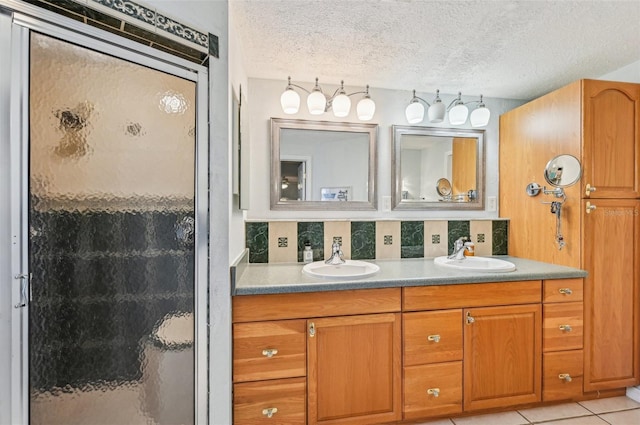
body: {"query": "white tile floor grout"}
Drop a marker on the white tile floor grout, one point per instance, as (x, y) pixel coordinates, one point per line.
(606, 411)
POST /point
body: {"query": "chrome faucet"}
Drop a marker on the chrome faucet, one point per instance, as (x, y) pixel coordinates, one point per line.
(458, 249)
(337, 257)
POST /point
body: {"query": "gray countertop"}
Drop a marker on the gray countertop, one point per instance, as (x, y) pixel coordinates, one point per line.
(279, 278)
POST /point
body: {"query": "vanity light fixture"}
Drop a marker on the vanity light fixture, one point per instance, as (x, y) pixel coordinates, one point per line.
(458, 111)
(319, 103)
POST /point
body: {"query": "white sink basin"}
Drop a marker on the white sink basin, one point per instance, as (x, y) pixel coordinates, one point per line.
(477, 264)
(351, 269)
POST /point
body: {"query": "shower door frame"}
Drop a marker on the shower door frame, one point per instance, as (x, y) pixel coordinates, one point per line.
(70, 31)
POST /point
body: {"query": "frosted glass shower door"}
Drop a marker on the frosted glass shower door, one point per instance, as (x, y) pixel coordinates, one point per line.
(111, 239)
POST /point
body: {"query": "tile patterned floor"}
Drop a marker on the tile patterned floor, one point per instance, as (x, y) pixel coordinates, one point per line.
(607, 411)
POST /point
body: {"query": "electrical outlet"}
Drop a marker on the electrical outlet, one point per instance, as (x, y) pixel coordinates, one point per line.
(386, 203)
(492, 203)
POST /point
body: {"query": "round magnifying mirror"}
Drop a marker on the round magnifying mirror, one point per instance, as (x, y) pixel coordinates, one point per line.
(563, 171)
(443, 187)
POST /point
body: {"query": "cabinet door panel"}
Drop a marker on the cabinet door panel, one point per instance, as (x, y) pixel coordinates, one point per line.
(502, 356)
(354, 369)
(611, 135)
(611, 245)
(562, 327)
(432, 390)
(432, 336)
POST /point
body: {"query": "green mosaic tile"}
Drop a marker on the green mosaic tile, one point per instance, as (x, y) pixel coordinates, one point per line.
(457, 229)
(412, 239)
(257, 240)
(314, 233)
(363, 240)
(500, 229)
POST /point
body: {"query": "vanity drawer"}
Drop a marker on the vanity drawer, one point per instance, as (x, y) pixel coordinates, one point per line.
(562, 290)
(562, 327)
(562, 375)
(432, 336)
(471, 295)
(283, 399)
(269, 350)
(420, 386)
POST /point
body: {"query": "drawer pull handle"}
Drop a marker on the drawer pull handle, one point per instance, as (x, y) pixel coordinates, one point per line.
(589, 189)
(565, 377)
(270, 352)
(270, 412)
(565, 328)
(434, 338)
(590, 207)
(565, 291)
(434, 392)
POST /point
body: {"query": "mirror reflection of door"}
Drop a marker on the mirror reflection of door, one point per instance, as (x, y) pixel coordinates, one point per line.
(294, 180)
(463, 165)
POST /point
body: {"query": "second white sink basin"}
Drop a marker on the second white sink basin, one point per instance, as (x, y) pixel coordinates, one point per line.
(351, 269)
(477, 264)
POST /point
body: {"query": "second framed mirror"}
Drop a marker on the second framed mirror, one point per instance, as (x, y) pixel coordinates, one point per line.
(437, 168)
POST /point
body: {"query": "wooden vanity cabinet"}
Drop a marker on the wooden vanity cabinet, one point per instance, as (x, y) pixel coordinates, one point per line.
(494, 328)
(599, 123)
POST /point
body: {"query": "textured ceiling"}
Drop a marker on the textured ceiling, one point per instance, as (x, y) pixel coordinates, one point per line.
(508, 49)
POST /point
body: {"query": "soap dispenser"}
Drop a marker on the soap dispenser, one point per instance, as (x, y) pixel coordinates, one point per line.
(307, 254)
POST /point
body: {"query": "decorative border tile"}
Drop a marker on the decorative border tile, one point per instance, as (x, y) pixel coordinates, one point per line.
(282, 242)
(457, 229)
(363, 240)
(500, 237)
(314, 233)
(257, 240)
(412, 239)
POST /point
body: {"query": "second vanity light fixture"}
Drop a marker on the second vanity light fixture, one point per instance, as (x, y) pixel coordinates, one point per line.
(458, 111)
(319, 103)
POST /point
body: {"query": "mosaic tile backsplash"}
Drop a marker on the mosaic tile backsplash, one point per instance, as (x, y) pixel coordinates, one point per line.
(273, 242)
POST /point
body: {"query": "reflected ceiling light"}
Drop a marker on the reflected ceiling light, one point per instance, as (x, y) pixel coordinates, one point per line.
(285, 183)
(319, 103)
(458, 111)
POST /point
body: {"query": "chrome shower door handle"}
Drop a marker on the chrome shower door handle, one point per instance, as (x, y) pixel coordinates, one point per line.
(25, 280)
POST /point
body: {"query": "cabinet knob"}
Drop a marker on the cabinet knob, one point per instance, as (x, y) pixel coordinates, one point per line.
(434, 338)
(270, 352)
(588, 189)
(590, 207)
(434, 392)
(565, 291)
(312, 329)
(270, 412)
(565, 377)
(470, 318)
(565, 328)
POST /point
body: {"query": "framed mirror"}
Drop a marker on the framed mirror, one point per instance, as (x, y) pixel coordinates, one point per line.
(320, 165)
(437, 168)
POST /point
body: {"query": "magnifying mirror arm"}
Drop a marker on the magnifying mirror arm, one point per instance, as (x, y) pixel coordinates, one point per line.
(558, 192)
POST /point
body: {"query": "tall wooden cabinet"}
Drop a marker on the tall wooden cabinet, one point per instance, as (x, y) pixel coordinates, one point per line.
(599, 123)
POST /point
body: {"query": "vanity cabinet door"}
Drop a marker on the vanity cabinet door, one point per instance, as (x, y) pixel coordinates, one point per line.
(611, 247)
(354, 369)
(502, 356)
(611, 137)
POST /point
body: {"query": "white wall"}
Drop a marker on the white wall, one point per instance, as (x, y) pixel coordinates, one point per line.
(629, 74)
(390, 106)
